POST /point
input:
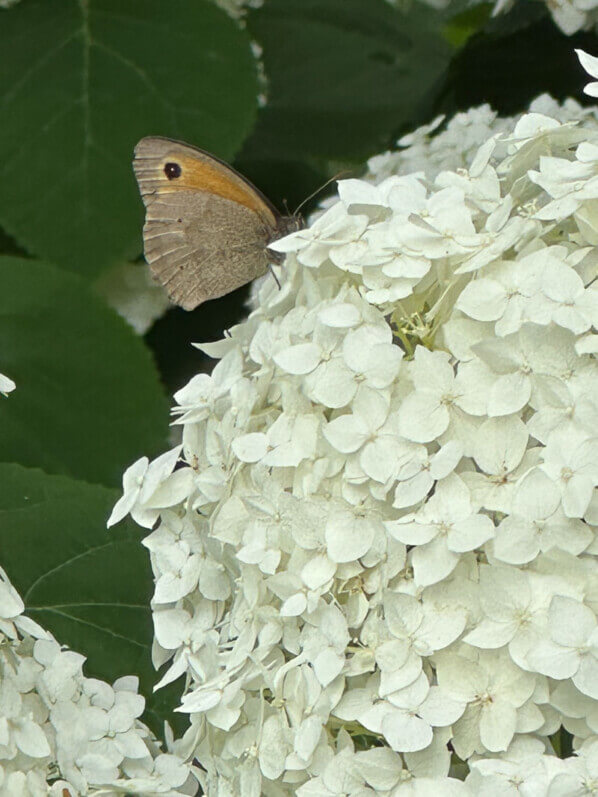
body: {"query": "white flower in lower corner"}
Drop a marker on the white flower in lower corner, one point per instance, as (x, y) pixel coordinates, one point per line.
(6, 385)
(61, 732)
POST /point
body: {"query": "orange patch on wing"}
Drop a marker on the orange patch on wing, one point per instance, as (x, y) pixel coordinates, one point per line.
(199, 176)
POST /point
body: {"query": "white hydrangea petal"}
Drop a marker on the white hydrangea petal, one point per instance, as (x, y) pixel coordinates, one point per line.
(11, 603)
(157, 472)
(318, 571)
(433, 562)
(422, 418)
(470, 533)
(497, 725)
(411, 533)
(405, 732)
(490, 634)
(250, 447)
(332, 384)
(483, 299)
(446, 459)
(341, 315)
(515, 541)
(132, 482)
(586, 677)
(348, 537)
(535, 496)
(347, 433)
(571, 622)
(301, 358)
(411, 491)
(553, 660)
(272, 750)
(509, 394)
(30, 738)
(439, 709)
(500, 444)
(380, 767)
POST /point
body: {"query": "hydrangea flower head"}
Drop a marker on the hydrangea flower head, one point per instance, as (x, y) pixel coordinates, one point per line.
(378, 537)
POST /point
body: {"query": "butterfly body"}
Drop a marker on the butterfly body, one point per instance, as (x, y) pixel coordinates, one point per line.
(207, 229)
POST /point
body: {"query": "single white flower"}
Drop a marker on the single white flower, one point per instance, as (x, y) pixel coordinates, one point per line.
(495, 691)
(6, 385)
(444, 527)
(571, 651)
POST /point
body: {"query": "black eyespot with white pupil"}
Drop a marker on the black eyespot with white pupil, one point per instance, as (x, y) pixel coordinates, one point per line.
(172, 170)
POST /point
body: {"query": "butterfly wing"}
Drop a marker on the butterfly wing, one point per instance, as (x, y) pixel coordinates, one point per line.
(206, 229)
(201, 246)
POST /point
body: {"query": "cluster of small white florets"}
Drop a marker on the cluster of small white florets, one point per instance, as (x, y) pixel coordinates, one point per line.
(63, 734)
(377, 543)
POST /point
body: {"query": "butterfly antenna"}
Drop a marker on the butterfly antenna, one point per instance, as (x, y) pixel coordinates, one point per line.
(276, 280)
(320, 188)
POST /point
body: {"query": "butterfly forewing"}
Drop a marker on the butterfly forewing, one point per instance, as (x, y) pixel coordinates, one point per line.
(207, 229)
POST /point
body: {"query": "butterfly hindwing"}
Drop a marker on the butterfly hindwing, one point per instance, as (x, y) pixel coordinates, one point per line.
(201, 246)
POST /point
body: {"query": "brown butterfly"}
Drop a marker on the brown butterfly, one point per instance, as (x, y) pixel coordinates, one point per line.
(207, 229)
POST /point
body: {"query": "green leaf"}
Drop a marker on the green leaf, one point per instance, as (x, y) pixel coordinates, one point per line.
(81, 82)
(88, 400)
(343, 75)
(89, 587)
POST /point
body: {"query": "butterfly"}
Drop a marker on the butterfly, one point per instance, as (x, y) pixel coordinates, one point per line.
(207, 228)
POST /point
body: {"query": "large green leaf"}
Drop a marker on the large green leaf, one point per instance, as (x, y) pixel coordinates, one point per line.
(81, 82)
(91, 588)
(88, 399)
(343, 74)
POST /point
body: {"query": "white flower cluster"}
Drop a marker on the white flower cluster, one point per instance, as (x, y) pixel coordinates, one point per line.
(376, 546)
(64, 734)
